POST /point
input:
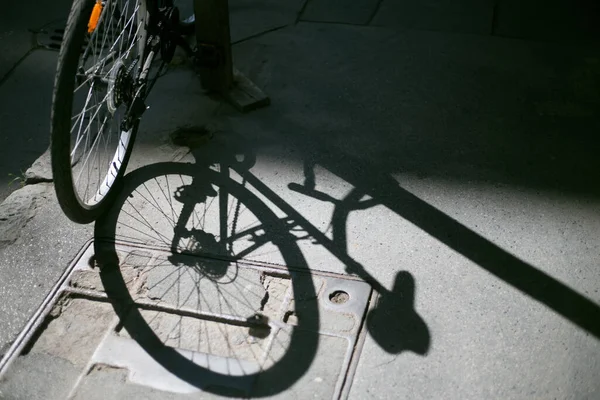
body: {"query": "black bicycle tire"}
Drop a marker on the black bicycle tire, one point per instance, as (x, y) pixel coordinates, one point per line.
(62, 102)
(286, 370)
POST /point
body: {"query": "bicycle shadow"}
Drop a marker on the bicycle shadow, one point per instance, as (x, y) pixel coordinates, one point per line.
(203, 276)
(367, 178)
(158, 206)
(393, 322)
(521, 275)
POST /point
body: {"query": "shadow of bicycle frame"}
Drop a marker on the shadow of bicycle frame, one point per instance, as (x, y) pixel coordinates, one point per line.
(304, 338)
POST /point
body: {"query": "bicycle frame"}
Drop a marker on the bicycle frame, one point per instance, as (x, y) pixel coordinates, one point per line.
(165, 33)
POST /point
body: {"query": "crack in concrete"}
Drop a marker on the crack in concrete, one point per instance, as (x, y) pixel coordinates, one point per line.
(265, 299)
(383, 364)
(257, 35)
(266, 283)
(310, 21)
(299, 15)
(36, 180)
(98, 367)
(12, 69)
(35, 45)
(494, 23)
(374, 13)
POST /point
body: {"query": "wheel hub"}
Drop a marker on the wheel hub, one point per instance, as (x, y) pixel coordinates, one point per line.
(120, 87)
(199, 243)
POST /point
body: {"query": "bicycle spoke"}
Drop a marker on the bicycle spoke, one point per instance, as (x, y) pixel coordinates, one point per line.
(79, 136)
(94, 143)
(98, 144)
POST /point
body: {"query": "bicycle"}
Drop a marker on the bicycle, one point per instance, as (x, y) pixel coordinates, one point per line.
(105, 72)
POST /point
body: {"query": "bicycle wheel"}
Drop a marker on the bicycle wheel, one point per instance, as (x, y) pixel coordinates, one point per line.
(100, 59)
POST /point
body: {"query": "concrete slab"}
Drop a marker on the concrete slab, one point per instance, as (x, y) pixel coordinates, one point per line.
(50, 366)
(14, 48)
(460, 97)
(25, 117)
(27, 272)
(471, 16)
(103, 382)
(336, 11)
(17, 22)
(556, 20)
(39, 376)
(25, 86)
(249, 18)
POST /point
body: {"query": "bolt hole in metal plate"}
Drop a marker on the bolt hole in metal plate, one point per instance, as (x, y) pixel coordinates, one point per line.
(195, 325)
(339, 297)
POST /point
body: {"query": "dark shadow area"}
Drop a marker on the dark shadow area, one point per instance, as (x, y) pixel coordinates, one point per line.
(210, 260)
(515, 272)
(555, 20)
(468, 110)
(458, 108)
(393, 322)
(369, 178)
(26, 80)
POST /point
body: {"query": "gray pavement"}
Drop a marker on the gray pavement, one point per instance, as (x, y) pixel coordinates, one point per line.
(26, 79)
(444, 152)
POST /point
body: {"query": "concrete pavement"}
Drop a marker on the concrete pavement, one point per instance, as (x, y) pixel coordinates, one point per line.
(445, 153)
(26, 79)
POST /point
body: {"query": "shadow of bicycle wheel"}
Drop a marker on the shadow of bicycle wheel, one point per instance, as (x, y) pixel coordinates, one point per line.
(206, 310)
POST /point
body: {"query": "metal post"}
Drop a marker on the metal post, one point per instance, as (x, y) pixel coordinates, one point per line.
(212, 28)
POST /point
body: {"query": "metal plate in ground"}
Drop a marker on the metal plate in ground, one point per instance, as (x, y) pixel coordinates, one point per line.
(188, 326)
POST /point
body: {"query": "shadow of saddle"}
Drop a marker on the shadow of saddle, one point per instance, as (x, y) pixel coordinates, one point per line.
(394, 323)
